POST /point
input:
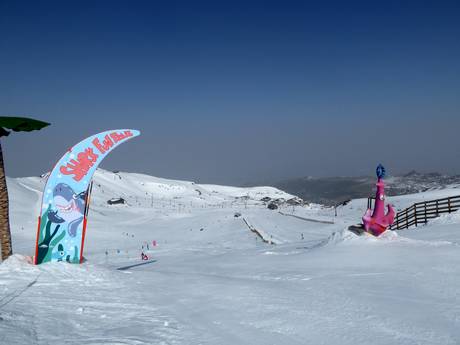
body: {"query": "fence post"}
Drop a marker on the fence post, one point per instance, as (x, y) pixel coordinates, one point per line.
(407, 220)
(369, 202)
(448, 203)
(415, 213)
(437, 208)
(426, 220)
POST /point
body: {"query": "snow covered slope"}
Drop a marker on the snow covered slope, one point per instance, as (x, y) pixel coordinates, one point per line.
(216, 282)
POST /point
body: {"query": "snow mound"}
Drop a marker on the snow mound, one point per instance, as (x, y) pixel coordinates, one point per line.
(340, 236)
(16, 262)
(346, 237)
(450, 218)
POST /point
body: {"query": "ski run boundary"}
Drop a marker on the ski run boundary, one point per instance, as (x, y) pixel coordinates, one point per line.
(260, 234)
(307, 219)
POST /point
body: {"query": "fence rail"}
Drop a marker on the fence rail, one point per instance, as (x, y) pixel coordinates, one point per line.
(421, 212)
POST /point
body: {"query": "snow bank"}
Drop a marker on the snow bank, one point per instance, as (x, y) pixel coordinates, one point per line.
(16, 262)
(449, 218)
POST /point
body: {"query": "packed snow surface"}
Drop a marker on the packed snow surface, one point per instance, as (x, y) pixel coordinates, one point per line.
(211, 280)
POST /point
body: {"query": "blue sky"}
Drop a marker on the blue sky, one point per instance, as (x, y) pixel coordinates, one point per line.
(235, 92)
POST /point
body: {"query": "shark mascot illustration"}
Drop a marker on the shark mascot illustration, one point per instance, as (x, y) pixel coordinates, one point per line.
(62, 255)
(70, 208)
(61, 228)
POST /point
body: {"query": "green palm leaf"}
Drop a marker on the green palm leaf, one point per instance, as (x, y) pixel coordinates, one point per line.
(19, 124)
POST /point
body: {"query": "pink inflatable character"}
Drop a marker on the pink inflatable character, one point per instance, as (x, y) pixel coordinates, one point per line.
(377, 222)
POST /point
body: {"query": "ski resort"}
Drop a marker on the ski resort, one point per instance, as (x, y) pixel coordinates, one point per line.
(211, 279)
(229, 172)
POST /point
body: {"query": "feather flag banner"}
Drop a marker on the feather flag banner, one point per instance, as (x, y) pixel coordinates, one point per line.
(64, 208)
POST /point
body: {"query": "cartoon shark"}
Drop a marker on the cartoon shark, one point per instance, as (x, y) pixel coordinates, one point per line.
(62, 255)
(70, 208)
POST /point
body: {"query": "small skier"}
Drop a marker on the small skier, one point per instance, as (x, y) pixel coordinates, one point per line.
(144, 257)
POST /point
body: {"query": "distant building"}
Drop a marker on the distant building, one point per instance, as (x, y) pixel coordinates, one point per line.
(116, 201)
(272, 206)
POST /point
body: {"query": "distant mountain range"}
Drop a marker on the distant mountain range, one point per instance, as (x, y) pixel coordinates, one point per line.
(333, 190)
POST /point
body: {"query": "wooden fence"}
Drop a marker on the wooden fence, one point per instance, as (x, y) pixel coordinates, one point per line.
(421, 212)
(370, 202)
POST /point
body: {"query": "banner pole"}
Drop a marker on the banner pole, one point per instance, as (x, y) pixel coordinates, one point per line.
(36, 244)
(85, 219)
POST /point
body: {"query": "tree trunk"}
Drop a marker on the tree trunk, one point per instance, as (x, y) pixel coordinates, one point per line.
(5, 234)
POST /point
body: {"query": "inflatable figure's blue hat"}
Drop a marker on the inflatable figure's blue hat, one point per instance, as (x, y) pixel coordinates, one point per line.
(380, 171)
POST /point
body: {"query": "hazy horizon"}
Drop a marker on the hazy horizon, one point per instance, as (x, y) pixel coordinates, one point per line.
(235, 93)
